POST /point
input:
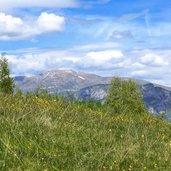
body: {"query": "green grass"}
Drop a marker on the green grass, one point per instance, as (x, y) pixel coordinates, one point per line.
(49, 134)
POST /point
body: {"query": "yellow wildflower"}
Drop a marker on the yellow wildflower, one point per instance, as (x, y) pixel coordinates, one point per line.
(155, 165)
(145, 168)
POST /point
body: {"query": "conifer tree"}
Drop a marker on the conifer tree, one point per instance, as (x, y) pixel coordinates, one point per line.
(6, 82)
(124, 96)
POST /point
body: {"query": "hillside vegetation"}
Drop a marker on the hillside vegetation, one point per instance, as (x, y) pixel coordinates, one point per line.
(41, 132)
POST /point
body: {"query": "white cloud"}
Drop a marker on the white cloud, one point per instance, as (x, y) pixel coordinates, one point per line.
(16, 28)
(27, 63)
(38, 3)
(97, 46)
(32, 63)
(106, 62)
(10, 26)
(154, 60)
(50, 23)
(139, 73)
(103, 56)
(137, 65)
(101, 60)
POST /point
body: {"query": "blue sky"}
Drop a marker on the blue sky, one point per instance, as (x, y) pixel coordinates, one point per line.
(125, 38)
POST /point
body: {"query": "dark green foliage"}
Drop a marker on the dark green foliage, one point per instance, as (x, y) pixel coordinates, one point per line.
(124, 96)
(6, 82)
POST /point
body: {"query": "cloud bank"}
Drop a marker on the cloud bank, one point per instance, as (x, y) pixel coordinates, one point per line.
(145, 64)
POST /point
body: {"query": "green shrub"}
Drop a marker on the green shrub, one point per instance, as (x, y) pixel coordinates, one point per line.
(124, 96)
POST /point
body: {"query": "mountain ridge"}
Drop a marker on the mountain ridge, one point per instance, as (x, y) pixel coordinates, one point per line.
(157, 98)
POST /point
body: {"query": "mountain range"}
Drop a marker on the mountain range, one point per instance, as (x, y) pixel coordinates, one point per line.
(87, 86)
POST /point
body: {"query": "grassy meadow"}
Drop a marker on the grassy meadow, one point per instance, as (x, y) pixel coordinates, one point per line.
(45, 133)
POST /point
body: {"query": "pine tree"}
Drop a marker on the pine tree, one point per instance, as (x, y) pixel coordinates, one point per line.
(6, 82)
(124, 96)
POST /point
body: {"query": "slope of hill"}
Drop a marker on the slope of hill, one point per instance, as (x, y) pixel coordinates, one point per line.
(46, 133)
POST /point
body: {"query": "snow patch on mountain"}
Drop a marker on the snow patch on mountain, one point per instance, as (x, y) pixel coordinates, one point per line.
(81, 77)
